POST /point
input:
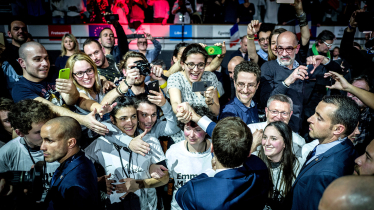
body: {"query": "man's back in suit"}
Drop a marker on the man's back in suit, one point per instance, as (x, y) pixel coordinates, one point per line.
(314, 177)
(229, 189)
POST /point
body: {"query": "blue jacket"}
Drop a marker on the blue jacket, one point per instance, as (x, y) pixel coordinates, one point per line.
(74, 185)
(240, 188)
(314, 178)
(235, 108)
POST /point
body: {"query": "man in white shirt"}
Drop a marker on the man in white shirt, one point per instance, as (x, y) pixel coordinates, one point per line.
(279, 108)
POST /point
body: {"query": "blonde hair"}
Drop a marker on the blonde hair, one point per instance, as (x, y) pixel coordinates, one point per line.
(83, 57)
(76, 45)
(270, 52)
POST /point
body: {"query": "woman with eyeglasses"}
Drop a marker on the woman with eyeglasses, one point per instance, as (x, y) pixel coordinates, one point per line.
(89, 83)
(69, 46)
(283, 165)
(193, 62)
(192, 156)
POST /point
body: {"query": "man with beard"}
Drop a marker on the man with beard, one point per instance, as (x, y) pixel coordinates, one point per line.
(286, 76)
(107, 40)
(133, 83)
(358, 90)
(106, 66)
(17, 31)
(246, 81)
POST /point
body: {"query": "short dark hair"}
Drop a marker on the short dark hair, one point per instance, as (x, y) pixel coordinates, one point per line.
(194, 49)
(103, 30)
(29, 111)
(264, 28)
(6, 104)
(177, 47)
(202, 111)
(122, 102)
(68, 128)
(247, 66)
(159, 62)
(232, 141)
(89, 41)
(142, 98)
(325, 35)
(347, 113)
(365, 78)
(10, 24)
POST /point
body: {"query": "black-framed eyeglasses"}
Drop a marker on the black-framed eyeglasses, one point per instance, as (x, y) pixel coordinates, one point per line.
(288, 49)
(200, 66)
(263, 39)
(81, 74)
(276, 112)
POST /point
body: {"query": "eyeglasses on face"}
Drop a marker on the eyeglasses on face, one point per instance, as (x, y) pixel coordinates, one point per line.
(287, 49)
(275, 112)
(81, 73)
(191, 66)
(328, 45)
(263, 39)
(241, 85)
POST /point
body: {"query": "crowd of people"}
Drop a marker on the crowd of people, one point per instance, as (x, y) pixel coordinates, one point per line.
(285, 127)
(135, 12)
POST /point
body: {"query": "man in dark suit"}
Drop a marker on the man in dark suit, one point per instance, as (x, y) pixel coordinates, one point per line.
(235, 180)
(74, 183)
(334, 119)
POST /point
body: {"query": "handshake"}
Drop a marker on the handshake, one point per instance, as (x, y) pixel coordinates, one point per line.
(185, 113)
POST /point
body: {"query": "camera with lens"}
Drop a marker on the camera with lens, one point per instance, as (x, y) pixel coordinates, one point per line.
(32, 180)
(143, 66)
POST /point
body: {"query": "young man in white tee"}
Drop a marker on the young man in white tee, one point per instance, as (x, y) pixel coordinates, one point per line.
(20, 154)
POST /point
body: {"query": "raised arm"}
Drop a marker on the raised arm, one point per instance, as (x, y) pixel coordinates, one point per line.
(252, 29)
(216, 62)
(303, 22)
(87, 120)
(342, 84)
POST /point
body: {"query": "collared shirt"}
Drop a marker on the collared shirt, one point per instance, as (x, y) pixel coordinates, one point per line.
(264, 55)
(322, 148)
(236, 108)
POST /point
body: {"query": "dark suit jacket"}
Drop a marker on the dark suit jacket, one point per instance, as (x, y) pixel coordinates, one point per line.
(224, 78)
(238, 53)
(75, 187)
(240, 188)
(314, 178)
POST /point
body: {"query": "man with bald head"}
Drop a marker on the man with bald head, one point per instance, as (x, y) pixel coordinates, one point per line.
(286, 76)
(242, 51)
(349, 193)
(74, 183)
(38, 83)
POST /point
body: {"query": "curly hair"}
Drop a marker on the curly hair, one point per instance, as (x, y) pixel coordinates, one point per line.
(29, 111)
(200, 110)
(6, 104)
(249, 67)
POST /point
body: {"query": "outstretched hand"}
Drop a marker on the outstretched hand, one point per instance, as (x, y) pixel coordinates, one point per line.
(137, 144)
